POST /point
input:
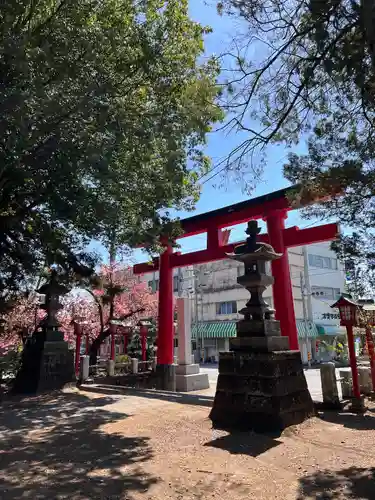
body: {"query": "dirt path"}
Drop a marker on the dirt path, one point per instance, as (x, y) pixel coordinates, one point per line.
(104, 444)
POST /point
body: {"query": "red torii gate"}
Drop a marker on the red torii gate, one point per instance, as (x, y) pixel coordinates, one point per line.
(273, 209)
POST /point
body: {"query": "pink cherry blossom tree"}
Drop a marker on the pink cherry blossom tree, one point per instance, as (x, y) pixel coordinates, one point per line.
(21, 320)
(115, 293)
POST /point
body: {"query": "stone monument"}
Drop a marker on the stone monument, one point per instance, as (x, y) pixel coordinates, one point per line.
(47, 362)
(261, 384)
(188, 376)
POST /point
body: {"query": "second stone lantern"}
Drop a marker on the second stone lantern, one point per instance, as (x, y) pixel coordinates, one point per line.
(261, 384)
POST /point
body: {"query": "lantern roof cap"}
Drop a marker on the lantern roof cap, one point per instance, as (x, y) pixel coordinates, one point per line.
(345, 299)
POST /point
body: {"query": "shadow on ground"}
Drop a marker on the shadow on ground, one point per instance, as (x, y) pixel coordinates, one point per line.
(53, 447)
(173, 397)
(347, 483)
(350, 420)
(244, 443)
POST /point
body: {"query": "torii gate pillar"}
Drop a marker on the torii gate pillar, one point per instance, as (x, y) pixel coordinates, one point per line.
(282, 287)
(165, 366)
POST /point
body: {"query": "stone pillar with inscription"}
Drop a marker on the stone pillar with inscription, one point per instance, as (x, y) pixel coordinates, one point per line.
(47, 362)
(261, 384)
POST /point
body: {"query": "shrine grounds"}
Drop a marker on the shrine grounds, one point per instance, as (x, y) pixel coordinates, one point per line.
(112, 443)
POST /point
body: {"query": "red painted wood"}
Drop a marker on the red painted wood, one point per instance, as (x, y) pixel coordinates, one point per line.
(371, 354)
(353, 362)
(282, 287)
(143, 332)
(77, 353)
(112, 329)
(233, 217)
(293, 237)
(165, 323)
(78, 334)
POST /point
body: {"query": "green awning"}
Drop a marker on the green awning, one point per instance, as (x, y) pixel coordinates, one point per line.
(312, 330)
(214, 330)
(227, 329)
(331, 330)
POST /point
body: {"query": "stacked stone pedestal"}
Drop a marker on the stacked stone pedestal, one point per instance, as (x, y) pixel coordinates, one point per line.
(47, 364)
(260, 391)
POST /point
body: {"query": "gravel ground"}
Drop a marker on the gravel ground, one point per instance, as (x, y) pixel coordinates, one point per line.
(107, 443)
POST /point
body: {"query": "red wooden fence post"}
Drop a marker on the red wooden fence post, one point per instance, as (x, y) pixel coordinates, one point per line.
(112, 329)
(143, 331)
(78, 334)
(87, 344)
(353, 362)
(371, 354)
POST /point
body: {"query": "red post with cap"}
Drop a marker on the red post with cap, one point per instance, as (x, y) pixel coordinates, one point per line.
(87, 344)
(282, 287)
(112, 329)
(371, 354)
(78, 334)
(165, 324)
(353, 361)
(143, 332)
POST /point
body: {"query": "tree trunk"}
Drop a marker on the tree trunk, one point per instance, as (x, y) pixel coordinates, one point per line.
(95, 346)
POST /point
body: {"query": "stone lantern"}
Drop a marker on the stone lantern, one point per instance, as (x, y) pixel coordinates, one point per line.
(47, 362)
(261, 384)
(52, 290)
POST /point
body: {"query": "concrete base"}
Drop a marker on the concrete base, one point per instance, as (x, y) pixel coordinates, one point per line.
(166, 377)
(192, 369)
(358, 405)
(189, 379)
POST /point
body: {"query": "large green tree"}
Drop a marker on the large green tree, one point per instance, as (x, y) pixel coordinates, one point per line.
(305, 71)
(105, 106)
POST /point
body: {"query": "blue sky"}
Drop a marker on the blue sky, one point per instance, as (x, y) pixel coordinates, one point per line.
(220, 144)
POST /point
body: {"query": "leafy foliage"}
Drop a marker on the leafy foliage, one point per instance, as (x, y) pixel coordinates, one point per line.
(114, 293)
(357, 252)
(104, 110)
(10, 361)
(306, 69)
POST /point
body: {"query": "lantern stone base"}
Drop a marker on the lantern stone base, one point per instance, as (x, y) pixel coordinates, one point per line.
(260, 391)
(46, 364)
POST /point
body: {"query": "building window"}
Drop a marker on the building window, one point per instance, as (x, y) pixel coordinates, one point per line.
(154, 285)
(325, 292)
(175, 283)
(226, 307)
(322, 262)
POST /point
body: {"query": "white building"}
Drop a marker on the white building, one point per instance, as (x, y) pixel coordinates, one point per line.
(216, 299)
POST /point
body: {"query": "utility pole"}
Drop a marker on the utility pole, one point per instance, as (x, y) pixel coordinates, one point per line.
(196, 314)
(305, 320)
(307, 283)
